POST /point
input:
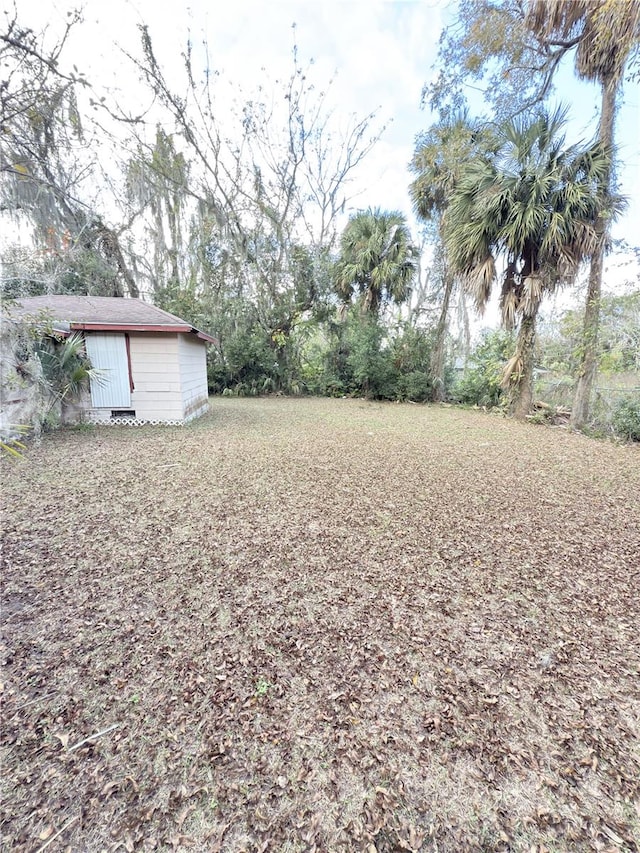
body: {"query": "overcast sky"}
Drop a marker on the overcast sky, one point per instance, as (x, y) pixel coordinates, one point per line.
(381, 53)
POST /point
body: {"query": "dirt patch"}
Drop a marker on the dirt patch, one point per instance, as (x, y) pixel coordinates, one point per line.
(304, 625)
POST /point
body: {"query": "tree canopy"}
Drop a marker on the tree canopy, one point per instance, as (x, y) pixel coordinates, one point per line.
(377, 260)
(534, 206)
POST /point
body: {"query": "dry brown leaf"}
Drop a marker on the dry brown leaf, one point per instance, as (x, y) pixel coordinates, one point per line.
(274, 552)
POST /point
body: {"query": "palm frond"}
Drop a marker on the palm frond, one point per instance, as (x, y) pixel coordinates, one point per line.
(548, 17)
(512, 371)
(479, 280)
(607, 31)
(611, 30)
(509, 304)
(377, 259)
(532, 291)
(538, 203)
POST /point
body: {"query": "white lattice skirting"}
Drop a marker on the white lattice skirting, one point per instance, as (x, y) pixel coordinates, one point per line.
(134, 422)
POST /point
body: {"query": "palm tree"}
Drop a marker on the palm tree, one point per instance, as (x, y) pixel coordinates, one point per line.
(66, 370)
(535, 204)
(439, 158)
(606, 33)
(377, 260)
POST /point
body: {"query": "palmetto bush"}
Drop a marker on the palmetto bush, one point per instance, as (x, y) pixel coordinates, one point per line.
(66, 370)
(626, 418)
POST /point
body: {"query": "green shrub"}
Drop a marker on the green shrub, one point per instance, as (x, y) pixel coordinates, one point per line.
(480, 383)
(414, 386)
(411, 347)
(335, 388)
(626, 419)
(312, 355)
(370, 364)
(217, 374)
(249, 356)
(247, 368)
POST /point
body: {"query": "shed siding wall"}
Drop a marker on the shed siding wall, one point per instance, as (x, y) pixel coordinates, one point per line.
(155, 368)
(193, 375)
(156, 377)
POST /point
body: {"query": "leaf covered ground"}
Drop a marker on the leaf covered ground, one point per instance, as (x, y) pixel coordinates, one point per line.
(322, 625)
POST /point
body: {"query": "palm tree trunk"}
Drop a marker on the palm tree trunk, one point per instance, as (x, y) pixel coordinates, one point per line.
(521, 395)
(437, 358)
(466, 326)
(590, 330)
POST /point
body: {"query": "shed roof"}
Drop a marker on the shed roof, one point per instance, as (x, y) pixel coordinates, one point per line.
(102, 313)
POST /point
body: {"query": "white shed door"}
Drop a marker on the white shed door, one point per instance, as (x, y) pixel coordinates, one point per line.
(108, 353)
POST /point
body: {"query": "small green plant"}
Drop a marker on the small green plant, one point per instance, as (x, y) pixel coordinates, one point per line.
(262, 687)
(626, 419)
(540, 417)
(84, 426)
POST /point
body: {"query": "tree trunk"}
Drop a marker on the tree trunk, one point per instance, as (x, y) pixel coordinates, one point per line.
(437, 358)
(466, 326)
(112, 249)
(590, 330)
(521, 391)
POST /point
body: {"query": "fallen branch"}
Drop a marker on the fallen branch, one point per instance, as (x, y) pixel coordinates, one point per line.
(38, 699)
(57, 835)
(94, 737)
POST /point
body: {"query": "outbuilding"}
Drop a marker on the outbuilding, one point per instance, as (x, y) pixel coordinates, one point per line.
(152, 365)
